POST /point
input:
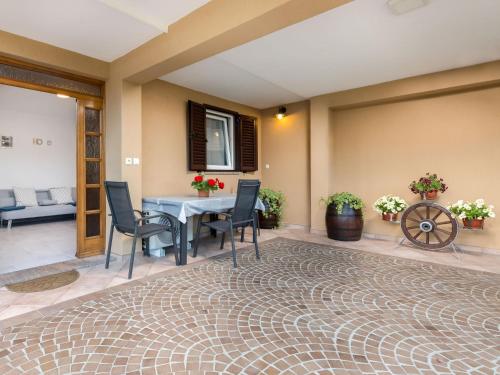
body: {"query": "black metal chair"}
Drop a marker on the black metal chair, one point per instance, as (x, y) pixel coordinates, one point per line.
(126, 222)
(241, 216)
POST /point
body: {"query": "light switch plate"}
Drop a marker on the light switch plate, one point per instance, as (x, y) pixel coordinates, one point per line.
(128, 161)
(267, 166)
(135, 161)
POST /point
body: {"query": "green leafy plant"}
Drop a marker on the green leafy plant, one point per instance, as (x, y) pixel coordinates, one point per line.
(472, 210)
(429, 182)
(274, 202)
(340, 199)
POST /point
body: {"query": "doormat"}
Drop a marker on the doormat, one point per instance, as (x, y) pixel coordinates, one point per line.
(44, 283)
(51, 269)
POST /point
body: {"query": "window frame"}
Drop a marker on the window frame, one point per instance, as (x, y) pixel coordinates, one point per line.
(230, 140)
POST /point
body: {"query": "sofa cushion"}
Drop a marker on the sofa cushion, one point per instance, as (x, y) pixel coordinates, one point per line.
(61, 195)
(11, 208)
(39, 211)
(47, 202)
(25, 197)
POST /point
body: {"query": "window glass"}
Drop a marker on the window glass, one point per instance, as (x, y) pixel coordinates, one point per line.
(220, 150)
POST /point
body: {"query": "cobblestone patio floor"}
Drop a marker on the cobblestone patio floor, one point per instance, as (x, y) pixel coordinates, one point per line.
(304, 308)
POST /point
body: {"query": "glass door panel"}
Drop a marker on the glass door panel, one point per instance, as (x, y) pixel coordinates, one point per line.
(91, 200)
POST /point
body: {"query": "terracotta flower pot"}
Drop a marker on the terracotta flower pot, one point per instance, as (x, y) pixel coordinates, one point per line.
(473, 223)
(429, 195)
(389, 216)
(203, 193)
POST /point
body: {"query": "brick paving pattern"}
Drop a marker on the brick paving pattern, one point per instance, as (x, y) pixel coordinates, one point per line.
(303, 309)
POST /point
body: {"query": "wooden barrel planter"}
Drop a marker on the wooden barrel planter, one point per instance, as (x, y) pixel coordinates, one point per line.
(347, 226)
(269, 222)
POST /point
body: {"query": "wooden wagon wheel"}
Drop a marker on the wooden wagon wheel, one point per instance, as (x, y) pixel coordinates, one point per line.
(429, 225)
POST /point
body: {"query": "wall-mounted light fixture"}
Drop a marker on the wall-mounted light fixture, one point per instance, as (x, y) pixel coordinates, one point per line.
(281, 113)
(62, 96)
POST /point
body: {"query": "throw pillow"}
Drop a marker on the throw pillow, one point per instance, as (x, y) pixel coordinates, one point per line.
(61, 195)
(25, 197)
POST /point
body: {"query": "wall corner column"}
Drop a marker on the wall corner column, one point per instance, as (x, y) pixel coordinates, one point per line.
(320, 161)
(124, 140)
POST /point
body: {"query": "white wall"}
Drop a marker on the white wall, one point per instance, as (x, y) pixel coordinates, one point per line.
(27, 114)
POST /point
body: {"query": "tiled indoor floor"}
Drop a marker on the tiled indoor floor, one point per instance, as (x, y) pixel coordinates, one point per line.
(304, 308)
(33, 245)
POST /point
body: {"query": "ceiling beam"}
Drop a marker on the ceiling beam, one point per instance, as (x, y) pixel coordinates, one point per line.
(215, 27)
(29, 50)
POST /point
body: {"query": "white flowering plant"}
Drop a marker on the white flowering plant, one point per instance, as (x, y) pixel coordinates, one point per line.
(471, 210)
(389, 204)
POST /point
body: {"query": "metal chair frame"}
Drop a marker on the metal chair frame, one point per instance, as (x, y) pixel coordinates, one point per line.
(140, 222)
(231, 225)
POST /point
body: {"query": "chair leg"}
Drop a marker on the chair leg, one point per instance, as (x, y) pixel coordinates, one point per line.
(197, 238)
(223, 239)
(108, 254)
(233, 247)
(242, 234)
(132, 255)
(176, 250)
(254, 224)
(258, 221)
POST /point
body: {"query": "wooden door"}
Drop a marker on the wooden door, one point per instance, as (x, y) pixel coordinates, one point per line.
(91, 205)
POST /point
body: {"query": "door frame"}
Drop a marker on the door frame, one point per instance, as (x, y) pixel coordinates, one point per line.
(85, 246)
(92, 244)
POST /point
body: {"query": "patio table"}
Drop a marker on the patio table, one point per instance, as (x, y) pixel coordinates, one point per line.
(183, 207)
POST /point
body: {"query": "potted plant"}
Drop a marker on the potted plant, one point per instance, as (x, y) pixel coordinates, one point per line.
(274, 202)
(344, 217)
(204, 187)
(389, 206)
(428, 186)
(472, 214)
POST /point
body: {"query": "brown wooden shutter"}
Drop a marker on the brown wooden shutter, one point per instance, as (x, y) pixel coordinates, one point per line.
(248, 143)
(197, 137)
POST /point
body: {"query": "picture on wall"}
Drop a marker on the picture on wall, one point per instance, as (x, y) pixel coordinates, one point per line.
(6, 141)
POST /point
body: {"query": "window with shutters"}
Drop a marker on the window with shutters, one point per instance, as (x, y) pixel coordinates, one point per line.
(220, 140)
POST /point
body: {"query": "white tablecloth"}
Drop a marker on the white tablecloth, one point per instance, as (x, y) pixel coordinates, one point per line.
(183, 207)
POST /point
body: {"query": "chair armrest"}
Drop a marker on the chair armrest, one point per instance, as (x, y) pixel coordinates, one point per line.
(140, 213)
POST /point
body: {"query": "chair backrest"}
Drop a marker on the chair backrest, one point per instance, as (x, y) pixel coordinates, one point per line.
(248, 192)
(120, 204)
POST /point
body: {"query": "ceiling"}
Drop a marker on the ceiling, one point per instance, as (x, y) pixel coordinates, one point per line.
(104, 29)
(358, 44)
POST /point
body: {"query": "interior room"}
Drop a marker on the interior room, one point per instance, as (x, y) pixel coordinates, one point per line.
(37, 161)
(255, 187)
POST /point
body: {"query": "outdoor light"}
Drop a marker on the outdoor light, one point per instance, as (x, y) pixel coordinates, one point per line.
(281, 113)
(62, 96)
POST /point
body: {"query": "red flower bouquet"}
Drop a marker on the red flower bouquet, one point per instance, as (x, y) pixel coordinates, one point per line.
(204, 187)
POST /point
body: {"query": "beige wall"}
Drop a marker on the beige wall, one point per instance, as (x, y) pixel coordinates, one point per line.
(29, 50)
(285, 147)
(164, 139)
(380, 149)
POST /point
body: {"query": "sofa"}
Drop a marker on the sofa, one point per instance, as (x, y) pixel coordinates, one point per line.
(9, 212)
